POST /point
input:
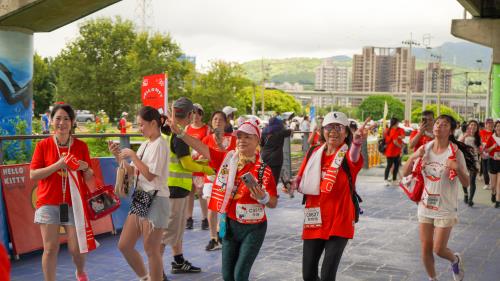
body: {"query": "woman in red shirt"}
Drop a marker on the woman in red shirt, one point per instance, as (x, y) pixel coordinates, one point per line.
(246, 222)
(223, 142)
(493, 148)
(326, 177)
(199, 130)
(54, 204)
(394, 140)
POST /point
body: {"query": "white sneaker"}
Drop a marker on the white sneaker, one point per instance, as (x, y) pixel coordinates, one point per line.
(458, 268)
(388, 183)
(487, 187)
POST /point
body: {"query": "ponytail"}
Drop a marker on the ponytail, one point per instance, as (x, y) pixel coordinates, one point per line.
(467, 150)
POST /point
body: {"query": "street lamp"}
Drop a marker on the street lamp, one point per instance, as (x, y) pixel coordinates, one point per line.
(468, 83)
(55, 88)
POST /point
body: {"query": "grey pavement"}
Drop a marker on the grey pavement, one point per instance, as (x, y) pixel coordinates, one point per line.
(385, 246)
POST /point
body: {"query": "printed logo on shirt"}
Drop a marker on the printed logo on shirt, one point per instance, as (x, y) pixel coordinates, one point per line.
(433, 171)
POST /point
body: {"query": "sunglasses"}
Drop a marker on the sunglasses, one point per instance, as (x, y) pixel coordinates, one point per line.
(337, 127)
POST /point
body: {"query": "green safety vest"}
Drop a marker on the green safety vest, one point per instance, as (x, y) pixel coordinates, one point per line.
(178, 176)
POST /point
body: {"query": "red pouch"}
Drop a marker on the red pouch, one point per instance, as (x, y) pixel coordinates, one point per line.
(72, 162)
(413, 185)
(102, 202)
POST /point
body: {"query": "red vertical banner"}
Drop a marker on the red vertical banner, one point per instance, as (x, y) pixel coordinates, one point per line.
(19, 193)
(154, 92)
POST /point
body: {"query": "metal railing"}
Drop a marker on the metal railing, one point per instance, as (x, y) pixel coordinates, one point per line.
(124, 139)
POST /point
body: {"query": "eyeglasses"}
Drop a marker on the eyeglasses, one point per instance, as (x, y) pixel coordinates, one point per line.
(337, 127)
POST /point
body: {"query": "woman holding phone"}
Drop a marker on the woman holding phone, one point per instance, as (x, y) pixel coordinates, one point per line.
(220, 141)
(246, 222)
(148, 166)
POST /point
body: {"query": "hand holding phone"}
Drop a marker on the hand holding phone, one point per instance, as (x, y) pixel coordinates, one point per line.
(249, 180)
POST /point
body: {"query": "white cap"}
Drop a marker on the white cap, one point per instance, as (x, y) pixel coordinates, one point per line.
(124, 113)
(249, 127)
(198, 106)
(228, 110)
(336, 117)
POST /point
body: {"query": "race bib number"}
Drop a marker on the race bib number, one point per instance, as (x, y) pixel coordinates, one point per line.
(249, 213)
(312, 217)
(431, 201)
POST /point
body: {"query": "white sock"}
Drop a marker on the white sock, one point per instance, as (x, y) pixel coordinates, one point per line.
(145, 278)
(456, 260)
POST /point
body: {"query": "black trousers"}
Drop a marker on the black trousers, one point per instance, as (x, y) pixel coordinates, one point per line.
(486, 175)
(472, 177)
(390, 161)
(313, 249)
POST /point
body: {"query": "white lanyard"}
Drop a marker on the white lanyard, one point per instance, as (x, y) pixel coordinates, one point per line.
(64, 177)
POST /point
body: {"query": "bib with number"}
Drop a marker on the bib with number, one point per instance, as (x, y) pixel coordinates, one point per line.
(312, 217)
(431, 201)
(250, 213)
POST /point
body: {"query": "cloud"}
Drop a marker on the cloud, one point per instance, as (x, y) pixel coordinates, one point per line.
(240, 30)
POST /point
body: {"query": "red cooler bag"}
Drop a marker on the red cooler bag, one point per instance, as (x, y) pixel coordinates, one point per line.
(413, 185)
(102, 202)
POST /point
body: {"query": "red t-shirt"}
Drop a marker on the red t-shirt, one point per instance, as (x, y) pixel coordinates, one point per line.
(4, 264)
(49, 190)
(243, 194)
(392, 135)
(423, 139)
(336, 207)
(229, 142)
(123, 126)
(491, 142)
(316, 139)
(198, 133)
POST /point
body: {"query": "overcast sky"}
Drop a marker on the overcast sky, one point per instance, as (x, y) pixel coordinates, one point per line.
(242, 30)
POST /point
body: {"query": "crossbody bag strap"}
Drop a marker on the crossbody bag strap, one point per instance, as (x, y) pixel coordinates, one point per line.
(138, 173)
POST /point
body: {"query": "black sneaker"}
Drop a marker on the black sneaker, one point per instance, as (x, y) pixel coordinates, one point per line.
(189, 223)
(493, 198)
(466, 198)
(164, 277)
(204, 224)
(185, 267)
(213, 245)
(497, 204)
(471, 203)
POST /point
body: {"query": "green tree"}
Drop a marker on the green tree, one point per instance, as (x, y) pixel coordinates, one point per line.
(219, 87)
(416, 114)
(374, 106)
(274, 100)
(44, 87)
(104, 66)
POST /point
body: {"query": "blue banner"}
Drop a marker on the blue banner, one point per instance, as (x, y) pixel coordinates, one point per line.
(108, 168)
(4, 231)
(312, 113)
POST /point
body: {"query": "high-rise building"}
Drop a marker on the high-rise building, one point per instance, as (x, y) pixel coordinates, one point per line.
(330, 77)
(382, 70)
(433, 79)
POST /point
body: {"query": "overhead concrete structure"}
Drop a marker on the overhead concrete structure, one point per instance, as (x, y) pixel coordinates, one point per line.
(19, 19)
(483, 29)
(47, 15)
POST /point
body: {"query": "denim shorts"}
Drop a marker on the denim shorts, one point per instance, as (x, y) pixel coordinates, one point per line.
(49, 214)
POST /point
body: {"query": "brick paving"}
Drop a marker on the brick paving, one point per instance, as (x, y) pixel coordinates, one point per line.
(385, 246)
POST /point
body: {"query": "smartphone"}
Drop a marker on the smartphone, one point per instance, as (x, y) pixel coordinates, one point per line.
(424, 120)
(64, 213)
(249, 180)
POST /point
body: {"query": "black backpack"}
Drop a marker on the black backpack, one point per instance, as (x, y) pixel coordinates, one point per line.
(382, 146)
(356, 199)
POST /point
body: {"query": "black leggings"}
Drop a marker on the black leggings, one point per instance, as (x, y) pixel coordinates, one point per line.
(313, 249)
(486, 175)
(392, 160)
(473, 176)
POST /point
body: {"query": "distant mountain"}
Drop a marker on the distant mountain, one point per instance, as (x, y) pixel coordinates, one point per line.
(459, 56)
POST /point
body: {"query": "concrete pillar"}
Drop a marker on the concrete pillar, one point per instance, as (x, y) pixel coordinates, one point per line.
(485, 32)
(16, 75)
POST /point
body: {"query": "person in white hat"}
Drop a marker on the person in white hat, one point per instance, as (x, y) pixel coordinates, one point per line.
(244, 187)
(122, 124)
(229, 111)
(326, 178)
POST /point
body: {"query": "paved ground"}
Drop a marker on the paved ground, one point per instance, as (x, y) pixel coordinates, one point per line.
(385, 247)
